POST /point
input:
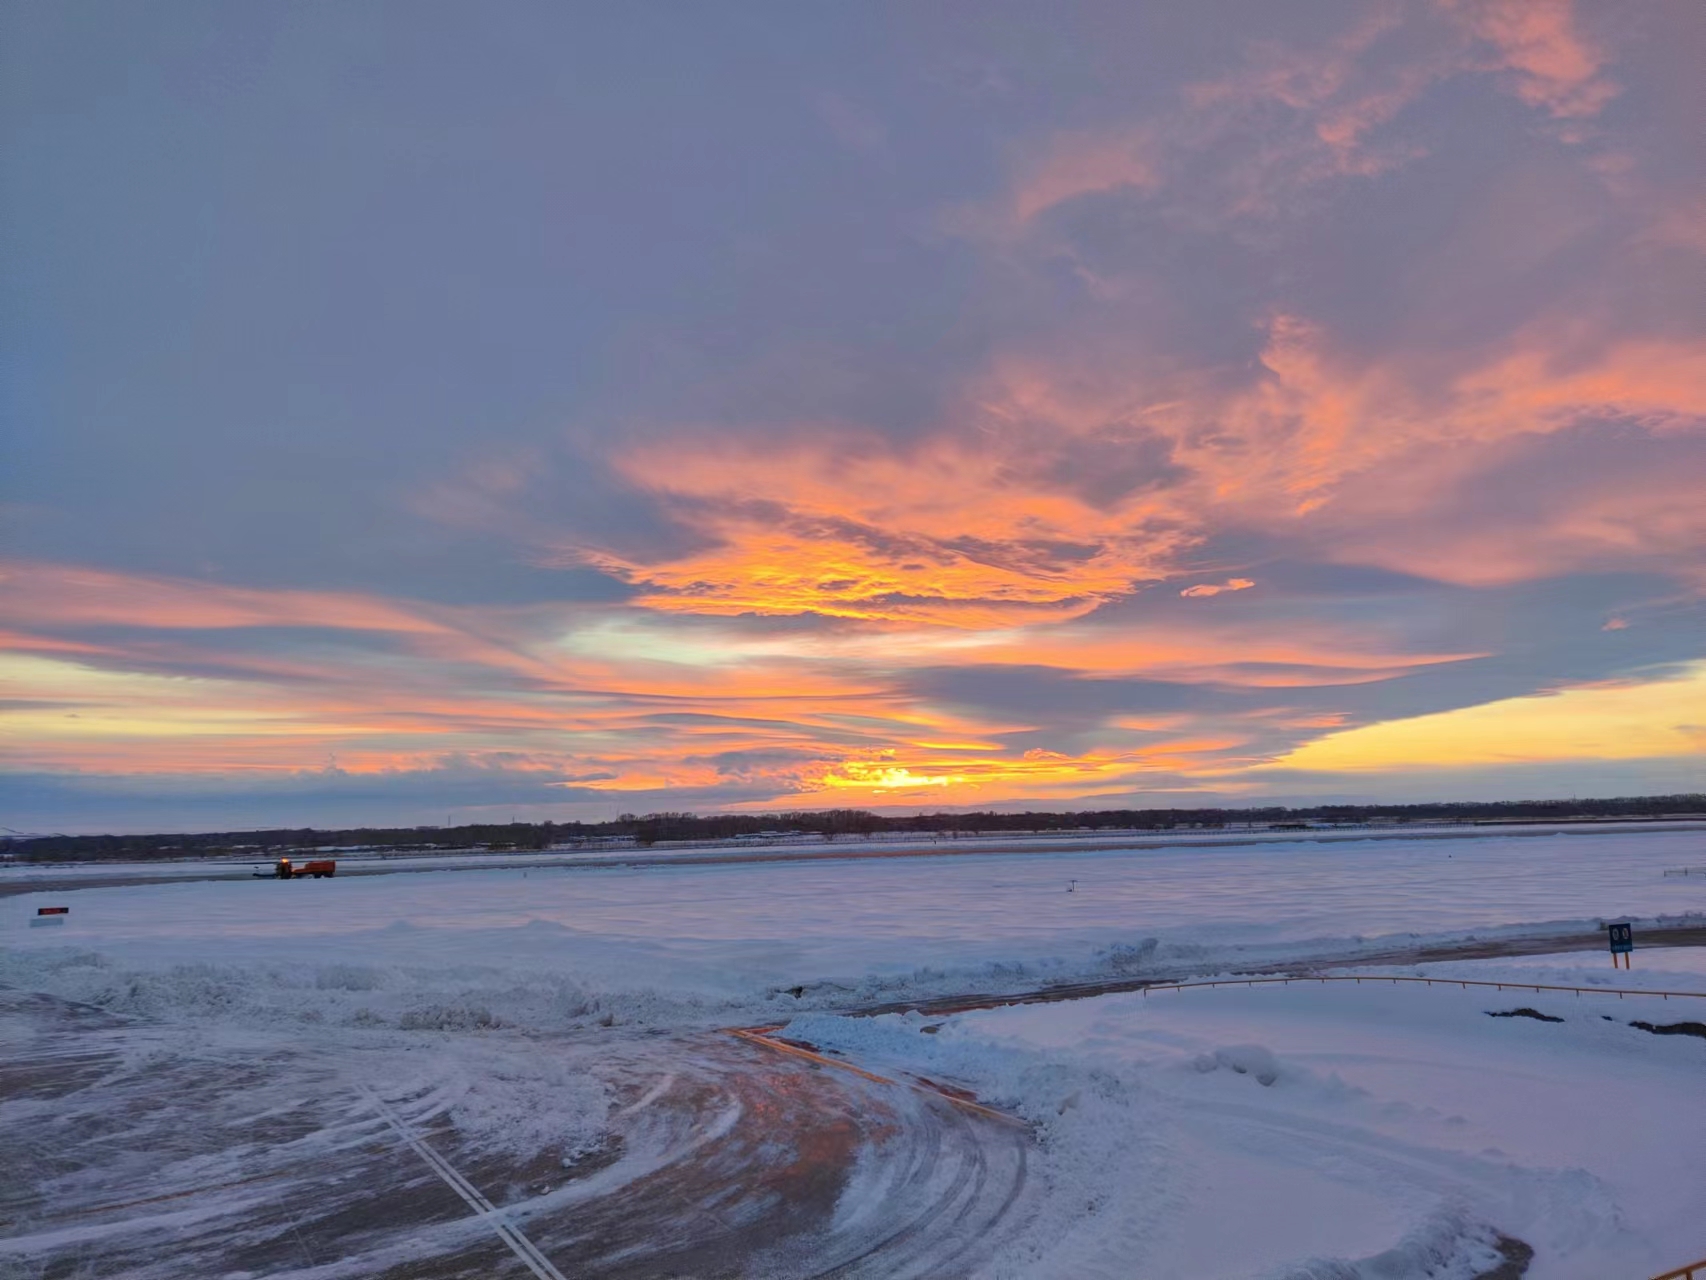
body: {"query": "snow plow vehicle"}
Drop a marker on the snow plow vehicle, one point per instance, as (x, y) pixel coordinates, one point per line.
(285, 869)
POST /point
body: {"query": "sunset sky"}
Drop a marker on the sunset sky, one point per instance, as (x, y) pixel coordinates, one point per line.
(428, 411)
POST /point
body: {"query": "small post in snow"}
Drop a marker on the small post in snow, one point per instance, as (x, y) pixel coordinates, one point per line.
(1072, 886)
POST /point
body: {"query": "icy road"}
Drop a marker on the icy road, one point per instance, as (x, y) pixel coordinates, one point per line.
(134, 1151)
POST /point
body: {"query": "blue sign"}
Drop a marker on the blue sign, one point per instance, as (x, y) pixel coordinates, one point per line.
(1622, 939)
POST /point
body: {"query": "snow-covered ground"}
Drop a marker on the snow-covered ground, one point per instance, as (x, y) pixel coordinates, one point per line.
(814, 847)
(724, 938)
(1397, 1118)
(1341, 1130)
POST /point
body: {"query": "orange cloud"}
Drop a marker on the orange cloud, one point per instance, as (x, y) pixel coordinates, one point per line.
(1657, 381)
(948, 533)
(1214, 589)
(1050, 491)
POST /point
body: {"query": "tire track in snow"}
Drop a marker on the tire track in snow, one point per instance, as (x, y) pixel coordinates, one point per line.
(496, 1218)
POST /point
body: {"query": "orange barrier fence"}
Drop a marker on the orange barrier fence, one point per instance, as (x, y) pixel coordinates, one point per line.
(1686, 1273)
(1465, 983)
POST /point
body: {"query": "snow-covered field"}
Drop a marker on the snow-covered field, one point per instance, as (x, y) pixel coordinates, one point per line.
(813, 847)
(1346, 1131)
(1400, 1124)
(725, 937)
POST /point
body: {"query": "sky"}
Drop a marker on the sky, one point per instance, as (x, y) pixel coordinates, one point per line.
(424, 412)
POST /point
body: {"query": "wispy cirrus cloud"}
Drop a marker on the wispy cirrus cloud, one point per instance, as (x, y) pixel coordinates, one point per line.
(1215, 588)
(1078, 164)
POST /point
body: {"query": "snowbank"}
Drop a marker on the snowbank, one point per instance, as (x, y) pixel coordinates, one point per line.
(1338, 1131)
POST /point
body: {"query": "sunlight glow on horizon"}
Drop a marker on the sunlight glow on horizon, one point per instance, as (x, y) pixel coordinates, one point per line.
(1666, 717)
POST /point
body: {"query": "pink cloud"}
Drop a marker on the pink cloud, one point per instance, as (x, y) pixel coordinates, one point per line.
(1076, 164)
(1552, 64)
(1208, 589)
(71, 594)
(1299, 116)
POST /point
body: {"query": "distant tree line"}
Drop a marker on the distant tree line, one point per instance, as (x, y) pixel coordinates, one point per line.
(828, 824)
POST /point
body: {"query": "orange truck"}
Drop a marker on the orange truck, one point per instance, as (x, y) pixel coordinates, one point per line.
(287, 870)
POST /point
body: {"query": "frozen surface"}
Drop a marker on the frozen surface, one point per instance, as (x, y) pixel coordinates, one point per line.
(1401, 1131)
(728, 936)
(887, 845)
(158, 1151)
(1340, 1130)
